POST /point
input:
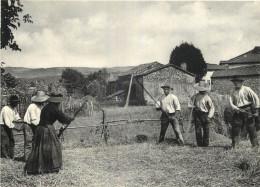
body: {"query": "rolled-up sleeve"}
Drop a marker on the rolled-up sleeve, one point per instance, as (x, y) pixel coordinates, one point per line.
(176, 103)
(231, 103)
(8, 118)
(252, 95)
(35, 119)
(211, 108)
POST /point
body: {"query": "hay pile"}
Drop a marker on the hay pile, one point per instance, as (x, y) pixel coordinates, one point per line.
(214, 139)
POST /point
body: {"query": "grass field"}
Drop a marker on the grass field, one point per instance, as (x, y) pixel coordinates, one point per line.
(89, 161)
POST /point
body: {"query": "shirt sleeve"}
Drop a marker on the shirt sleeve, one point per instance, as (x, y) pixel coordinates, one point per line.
(231, 102)
(62, 118)
(7, 119)
(16, 115)
(211, 107)
(158, 103)
(35, 120)
(176, 103)
(254, 98)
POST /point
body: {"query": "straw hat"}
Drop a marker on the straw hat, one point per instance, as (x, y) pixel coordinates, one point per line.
(237, 78)
(202, 86)
(40, 97)
(167, 86)
(56, 98)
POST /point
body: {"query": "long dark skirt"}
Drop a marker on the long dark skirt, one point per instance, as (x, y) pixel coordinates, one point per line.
(46, 154)
(7, 142)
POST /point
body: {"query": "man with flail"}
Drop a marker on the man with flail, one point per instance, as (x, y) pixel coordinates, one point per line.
(8, 116)
(170, 107)
(203, 112)
(245, 104)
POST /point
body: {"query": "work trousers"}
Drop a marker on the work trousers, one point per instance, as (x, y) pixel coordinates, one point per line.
(201, 123)
(241, 120)
(257, 123)
(7, 142)
(165, 120)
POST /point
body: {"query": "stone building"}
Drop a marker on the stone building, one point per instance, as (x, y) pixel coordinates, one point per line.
(221, 80)
(151, 79)
(211, 68)
(249, 58)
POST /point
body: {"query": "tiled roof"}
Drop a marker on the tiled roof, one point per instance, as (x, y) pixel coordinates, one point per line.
(252, 56)
(214, 67)
(143, 68)
(165, 66)
(241, 71)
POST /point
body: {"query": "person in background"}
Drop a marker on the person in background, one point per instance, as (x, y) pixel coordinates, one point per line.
(33, 112)
(245, 104)
(203, 112)
(171, 109)
(46, 156)
(8, 117)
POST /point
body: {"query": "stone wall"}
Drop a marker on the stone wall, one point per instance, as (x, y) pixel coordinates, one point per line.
(223, 86)
(181, 82)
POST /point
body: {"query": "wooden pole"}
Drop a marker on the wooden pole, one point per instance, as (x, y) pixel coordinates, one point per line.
(129, 91)
(25, 141)
(190, 117)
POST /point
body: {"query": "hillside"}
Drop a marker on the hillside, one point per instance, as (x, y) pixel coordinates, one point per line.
(21, 72)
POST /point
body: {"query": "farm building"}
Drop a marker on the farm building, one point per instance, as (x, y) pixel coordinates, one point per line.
(211, 68)
(249, 58)
(221, 79)
(151, 77)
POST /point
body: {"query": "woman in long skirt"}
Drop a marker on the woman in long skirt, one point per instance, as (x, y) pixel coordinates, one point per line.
(46, 156)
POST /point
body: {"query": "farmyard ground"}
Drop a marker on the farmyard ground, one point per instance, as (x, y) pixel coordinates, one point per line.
(144, 164)
(88, 161)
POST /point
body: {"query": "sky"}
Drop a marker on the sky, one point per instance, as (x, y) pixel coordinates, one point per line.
(112, 33)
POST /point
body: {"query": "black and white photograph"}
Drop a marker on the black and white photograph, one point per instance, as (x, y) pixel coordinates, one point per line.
(130, 93)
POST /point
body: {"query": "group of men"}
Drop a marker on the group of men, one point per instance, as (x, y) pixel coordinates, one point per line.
(243, 100)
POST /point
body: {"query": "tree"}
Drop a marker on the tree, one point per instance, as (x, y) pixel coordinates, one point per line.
(10, 10)
(97, 83)
(10, 80)
(192, 56)
(73, 81)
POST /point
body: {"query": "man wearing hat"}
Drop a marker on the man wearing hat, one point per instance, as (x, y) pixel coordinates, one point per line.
(170, 107)
(8, 116)
(203, 112)
(32, 115)
(245, 104)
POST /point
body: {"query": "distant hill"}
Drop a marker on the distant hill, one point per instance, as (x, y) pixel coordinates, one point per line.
(48, 73)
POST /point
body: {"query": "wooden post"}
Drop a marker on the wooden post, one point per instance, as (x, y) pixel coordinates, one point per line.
(190, 117)
(25, 141)
(129, 91)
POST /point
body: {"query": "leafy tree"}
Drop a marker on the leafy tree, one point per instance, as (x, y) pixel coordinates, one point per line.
(192, 56)
(97, 84)
(10, 10)
(73, 81)
(10, 80)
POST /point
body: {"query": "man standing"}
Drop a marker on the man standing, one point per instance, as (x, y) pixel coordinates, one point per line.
(170, 106)
(7, 117)
(203, 112)
(245, 104)
(33, 112)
